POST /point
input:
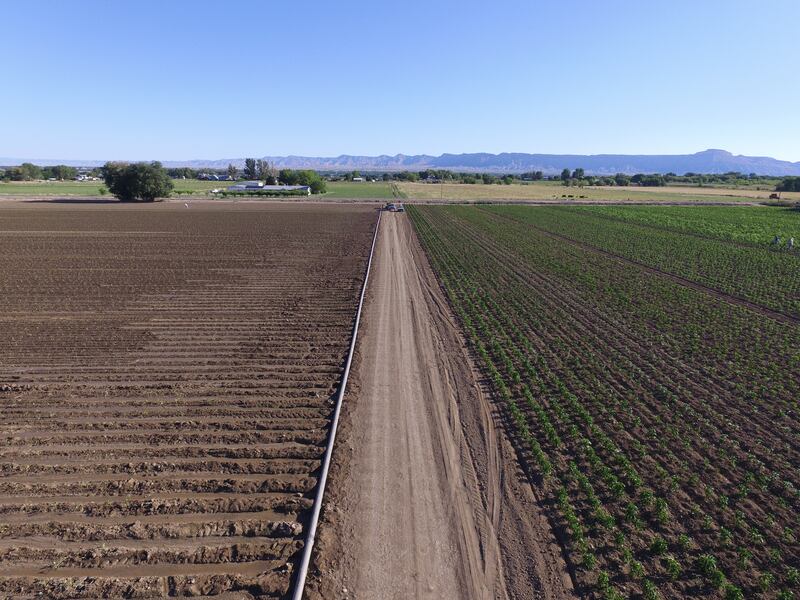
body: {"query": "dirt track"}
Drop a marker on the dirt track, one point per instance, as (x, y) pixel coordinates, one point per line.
(423, 510)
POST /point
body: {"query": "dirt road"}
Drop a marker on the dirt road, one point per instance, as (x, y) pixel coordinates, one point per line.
(419, 508)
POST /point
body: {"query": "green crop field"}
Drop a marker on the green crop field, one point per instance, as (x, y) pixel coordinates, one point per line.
(366, 189)
(93, 188)
(646, 364)
(753, 225)
(336, 189)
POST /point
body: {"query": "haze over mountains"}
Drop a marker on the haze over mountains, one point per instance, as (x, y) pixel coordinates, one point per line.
(707, 161)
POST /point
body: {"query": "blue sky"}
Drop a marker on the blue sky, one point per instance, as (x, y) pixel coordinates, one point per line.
(180, 79)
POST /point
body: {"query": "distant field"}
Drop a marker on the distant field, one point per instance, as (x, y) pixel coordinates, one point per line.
(348, 189)
(556, 191)
(336, 189)
(91, 188)
(545, 190)
(742, 224)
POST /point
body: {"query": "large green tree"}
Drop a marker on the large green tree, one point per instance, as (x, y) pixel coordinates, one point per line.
(250, 168)
(303, 177)
(61, 172)
(789, 184)
(26, 172)
(131, 182)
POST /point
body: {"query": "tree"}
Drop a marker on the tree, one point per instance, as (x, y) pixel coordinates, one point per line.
(250, 168)
(61, 172)
(265, 171)
(181, 173)
(288, 177)
(26, 172)
(232, 171)
(789, 184)
(565, 175)
(578, 174)
(648, 180)
(305, 177)
(131, 182)
(622, 179)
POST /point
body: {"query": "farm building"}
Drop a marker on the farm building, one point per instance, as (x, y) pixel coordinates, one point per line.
(258, 186)
(246, 186)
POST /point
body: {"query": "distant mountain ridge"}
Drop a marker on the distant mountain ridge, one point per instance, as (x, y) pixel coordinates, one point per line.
(707, 161)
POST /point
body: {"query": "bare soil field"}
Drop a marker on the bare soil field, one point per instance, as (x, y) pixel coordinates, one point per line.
(166, 376)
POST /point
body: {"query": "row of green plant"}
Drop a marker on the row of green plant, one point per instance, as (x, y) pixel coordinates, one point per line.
(629, 500)
(756, 225)
(765, 277)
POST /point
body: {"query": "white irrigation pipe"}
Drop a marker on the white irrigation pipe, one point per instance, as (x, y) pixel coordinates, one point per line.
(302, 572)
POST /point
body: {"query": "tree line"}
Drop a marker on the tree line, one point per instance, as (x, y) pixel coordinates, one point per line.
(789, 184)
(262, 170)
(31, 172)
(146, 182)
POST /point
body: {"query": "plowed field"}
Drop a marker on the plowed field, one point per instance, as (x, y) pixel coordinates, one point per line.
(167, 376)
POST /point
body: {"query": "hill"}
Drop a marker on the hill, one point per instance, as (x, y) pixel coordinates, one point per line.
(707, 161)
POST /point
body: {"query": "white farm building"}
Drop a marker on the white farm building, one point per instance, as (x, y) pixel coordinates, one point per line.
(258, 186)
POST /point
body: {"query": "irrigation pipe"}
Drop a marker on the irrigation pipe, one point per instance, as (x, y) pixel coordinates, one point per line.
(302, 572)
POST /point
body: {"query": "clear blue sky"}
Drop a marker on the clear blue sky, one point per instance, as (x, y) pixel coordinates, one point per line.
(180, 79)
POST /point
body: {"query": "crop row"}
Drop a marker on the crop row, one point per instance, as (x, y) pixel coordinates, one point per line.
(755, 274)
(755, 225)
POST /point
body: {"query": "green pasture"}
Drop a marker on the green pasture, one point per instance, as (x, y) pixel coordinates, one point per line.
(93, 188)
(365, 189)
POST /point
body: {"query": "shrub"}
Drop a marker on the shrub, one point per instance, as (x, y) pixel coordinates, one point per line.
(673, 567)
(659, 546)
(649, 590)
(603, 581)
(732, 592)
(637, 570)
(706, 564)
(684, 542)
(717, 578)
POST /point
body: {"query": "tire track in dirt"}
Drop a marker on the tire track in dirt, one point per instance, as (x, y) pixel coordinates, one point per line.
(425, 496)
